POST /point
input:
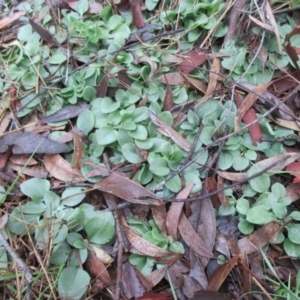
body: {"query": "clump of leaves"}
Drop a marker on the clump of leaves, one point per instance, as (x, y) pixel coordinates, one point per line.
(151, 233)
(54, 220)
(269, 205)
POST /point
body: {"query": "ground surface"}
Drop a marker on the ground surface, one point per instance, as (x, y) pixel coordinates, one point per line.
(149, 150)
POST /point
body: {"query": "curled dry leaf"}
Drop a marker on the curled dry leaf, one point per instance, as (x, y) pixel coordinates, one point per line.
(192, 239)
(168, 100)
(34, 171)
(220, 274)
(78, 151)
(98, 268)
(175, 212)
(60, 169)
(119, 185)
(214, 78)
(143, 246)
(22, 159)
(102, 255)
(259, 238)
(174, 135)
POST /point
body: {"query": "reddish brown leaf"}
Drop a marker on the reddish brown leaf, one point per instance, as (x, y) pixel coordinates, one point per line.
(98, 268)
(137, 16)
(175, 212)
(119, 185)
(247, 103)
(259, 238)
(159, 214)
(192, 239)
(78, 151)
(193, 60)
(156, 276)
(34, 171)
(209, 295)
(173, 79)
(168, 101)
(102, 87)
(214, 78)
(292, 191)
(154, 296)
(220, 274)
(223, 199)
(61, 169)
(248, 117)
(22, 159)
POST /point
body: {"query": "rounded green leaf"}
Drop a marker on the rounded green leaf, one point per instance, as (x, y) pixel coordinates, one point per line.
(225, 160)
(76, 219)
(33, 208)
(73, 283)
(140, 132)
(100, 229)
(130, 153)
(294, 233)
(259, 215)
(57, 59)
(261, 183)
(295, 215)
(279, 210)
(108, 105)
(242, 206)
(174, 184)
(245, 227)
(72, 196)
(278, 189)
(89, 93)
(160, 167)
(106, 135)
(35, 188)
(250, 154)
(75, 239)
(190, 178)
(240, 163)
(177, 247)
(86, 121)
(60, 253)
(291, 248)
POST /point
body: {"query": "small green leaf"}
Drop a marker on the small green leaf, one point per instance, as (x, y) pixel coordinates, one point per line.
(279, 210)
(225, 160)
(89, 93)
(100, 229)
(245, 227)
(73, 283)
(60, 253)
(278, 189)
(57, 59)
(242, 206)
(261, 183)
(177, 247)
(174, 184)
(108, 105)
(295, 215)
(140, 133)
(130, 153)
(240, 163)
(294, 232)
(75, 239)
(82, 7)
(259, 215)
(291, 248)
(160, 167)
(86, 121)
(106, 135)
(73, 196)
(35, 188)
(76, 220)
(190, 178)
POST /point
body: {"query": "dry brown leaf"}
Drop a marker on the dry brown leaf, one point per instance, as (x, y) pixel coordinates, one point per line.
(174, 212)
(195, 83)
(271, 18)
(261, 24)
(78, 151)
(221, 245)
(168, 100)
(223, 199)
(60, 169)
(288, 124)
(3, 220)
(121, 186)
(159, 214)
(34, 171)
(232, 176)
(259, 238)
(11, 18)
(192, 60)
(94, 7)
(137, 16)
(156, 276)
(248, 103)
(174, 135)
(22, 159)
(102, 255)
(143, 246)
(98, 268)
(102, 87)
(214, 78)
(173, 79)
(191, 238)
(292, 191)
(217, 278)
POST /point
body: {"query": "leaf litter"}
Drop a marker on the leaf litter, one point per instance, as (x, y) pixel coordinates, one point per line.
(115, 231)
